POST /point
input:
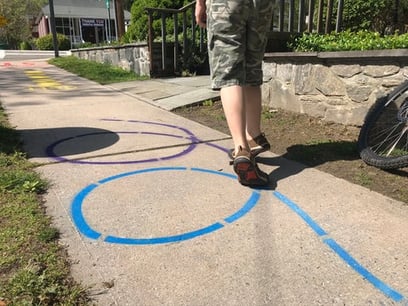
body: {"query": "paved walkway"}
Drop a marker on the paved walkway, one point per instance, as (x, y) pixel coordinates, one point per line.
(151, 213)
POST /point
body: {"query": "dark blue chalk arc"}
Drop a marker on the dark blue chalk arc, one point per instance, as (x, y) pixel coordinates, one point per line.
(86, 230)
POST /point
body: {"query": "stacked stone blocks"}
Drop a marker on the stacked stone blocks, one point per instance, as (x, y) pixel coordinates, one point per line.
(335, 86)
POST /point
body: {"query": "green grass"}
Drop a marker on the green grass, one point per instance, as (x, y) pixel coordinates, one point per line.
(34, 269)
(208, 102)
(101, 73)
(267, 113)
(363, 179)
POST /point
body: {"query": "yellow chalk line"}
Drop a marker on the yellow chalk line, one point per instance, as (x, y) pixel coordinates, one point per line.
(44, 82)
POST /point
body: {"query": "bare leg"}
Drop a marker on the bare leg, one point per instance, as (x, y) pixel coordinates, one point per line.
(233, 103)
(253, 110)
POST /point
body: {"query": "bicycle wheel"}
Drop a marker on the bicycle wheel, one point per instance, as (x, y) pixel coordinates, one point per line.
(383, 139)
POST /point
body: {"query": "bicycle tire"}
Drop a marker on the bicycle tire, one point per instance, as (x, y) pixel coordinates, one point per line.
(383, 138)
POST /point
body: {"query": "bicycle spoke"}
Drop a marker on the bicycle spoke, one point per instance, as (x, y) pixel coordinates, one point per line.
(384, 137)
(396, 142)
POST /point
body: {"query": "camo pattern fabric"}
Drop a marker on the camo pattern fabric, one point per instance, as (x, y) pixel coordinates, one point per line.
(237, 36)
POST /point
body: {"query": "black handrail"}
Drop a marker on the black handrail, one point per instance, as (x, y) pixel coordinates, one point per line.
(164, 13)
(303, 15)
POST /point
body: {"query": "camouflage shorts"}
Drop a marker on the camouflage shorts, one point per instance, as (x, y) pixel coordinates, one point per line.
(237, 36)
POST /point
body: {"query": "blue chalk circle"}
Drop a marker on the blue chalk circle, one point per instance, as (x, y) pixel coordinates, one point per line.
(86, 230)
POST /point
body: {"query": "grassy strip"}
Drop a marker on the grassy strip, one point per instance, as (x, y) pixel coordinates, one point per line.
(101, 73)
(34, 269)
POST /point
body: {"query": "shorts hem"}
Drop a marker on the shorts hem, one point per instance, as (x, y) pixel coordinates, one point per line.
(222, 84)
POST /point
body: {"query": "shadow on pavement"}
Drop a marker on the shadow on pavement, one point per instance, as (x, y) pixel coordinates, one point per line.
(66, 141)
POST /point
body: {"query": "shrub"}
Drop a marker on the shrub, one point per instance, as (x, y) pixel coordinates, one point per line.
(138, 28)
(347, 41)
(46, 43)
(25, 46)
(375, 15)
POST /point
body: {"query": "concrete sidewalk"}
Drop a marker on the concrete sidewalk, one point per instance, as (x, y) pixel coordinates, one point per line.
(151, 213)
(170, 93)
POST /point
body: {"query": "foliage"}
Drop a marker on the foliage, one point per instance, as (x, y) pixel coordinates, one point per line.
(17, 28)
(33, 266)
(195, 62)
(347, 40)
(46, 42)
(25, 45)
(361, 14)
(375, 15)
(84, 45)
(138, 28)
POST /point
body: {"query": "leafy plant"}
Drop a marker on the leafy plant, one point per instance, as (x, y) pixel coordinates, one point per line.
(138, 28)
(208, 103)
(347, 41)
(25, 46)
(374, 15)
(33, 266)
(360, 14)
(46, 42)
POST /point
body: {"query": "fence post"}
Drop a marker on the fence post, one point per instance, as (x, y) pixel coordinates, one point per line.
(193, 25)
(328, 16)
(310, 17)
(163, 33)
(301, 22)
(339, 22)
(281, 14)
(201, 40)
(291, 15)
(320, 17)
(150, 38)
(184, 36)
(176, 43)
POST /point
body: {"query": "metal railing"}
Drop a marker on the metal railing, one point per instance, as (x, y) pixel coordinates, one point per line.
(187, 28)
(290, 16)
(309, 15)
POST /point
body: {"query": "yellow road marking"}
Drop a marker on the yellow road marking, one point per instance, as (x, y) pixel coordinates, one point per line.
(45, 82)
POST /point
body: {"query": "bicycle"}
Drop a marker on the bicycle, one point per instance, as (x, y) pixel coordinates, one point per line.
(383, 138)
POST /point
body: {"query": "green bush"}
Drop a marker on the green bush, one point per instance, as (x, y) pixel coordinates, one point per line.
(347, 41)
(375, 15)
(25, 46)
(138, 28)
(45, 42)
(363, 14)
(86, 44)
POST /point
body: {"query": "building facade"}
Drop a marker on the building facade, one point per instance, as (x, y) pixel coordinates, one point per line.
(82, 21)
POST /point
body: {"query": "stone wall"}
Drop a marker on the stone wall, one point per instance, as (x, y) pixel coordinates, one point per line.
(131, 57)
(335, 86)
